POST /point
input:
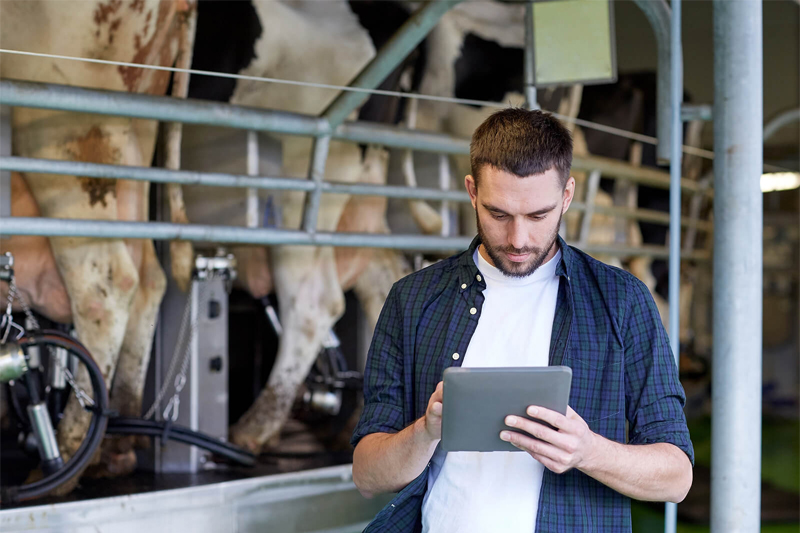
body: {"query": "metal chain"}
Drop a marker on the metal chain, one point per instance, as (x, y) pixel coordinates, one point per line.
(14, 294)
(183, 344)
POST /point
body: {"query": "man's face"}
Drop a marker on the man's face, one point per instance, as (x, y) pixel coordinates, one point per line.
(518, 218)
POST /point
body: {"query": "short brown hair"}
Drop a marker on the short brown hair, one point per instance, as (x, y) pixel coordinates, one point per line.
(523, 142)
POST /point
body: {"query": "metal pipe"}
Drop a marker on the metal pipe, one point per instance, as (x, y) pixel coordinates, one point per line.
(658, 14)
(163, 108)
(104, 229)
(213, 179)
(783, 119)
(49, 96)
(184, 177)
(398, 137)
(316, 175)
(252, 170)
(530, 60)
(738, 267)
(675, 160)
(388, 57)
(5, 150)
(690, 112)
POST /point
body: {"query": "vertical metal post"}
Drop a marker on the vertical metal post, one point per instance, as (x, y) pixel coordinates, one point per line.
(252, 170)
(675, 171)
(593, 184)
(444, 184)
(738, 264)
(658, 14)
(5, 150)
(530, 60)
(316, 173)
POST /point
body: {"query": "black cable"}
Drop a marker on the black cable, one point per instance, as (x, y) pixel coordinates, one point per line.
(151, 428)
(97, 426)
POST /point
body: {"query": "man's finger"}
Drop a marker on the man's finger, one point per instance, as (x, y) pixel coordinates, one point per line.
(540, 431)
(551, 417)
(436, 408)
(533, 446)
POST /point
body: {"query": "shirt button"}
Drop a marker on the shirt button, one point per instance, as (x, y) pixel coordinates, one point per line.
(478, 277)
(455, 357)
(473, 311)
(463, 286)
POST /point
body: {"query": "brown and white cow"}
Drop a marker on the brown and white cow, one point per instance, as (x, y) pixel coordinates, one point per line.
(109, 289)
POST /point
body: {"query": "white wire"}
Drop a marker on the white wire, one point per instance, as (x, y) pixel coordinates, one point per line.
(691, 150)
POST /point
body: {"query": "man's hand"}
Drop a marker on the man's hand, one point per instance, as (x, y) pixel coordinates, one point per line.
(433, 414)
(571, 445)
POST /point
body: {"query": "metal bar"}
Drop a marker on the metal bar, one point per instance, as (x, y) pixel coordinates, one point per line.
(213, 179)
(645, 215)
(445, 208)
(163, 108)
(210, 179)
(738, 263)
(691, 112)
(588, 208)
(53, 227)
(613, 168)
(5, 150)
(400, 137)
(530, 60)
(658, 14)
(783, 119)
(388, 57)
(316, 175)
(675, 167)
(49, 96)
(252, 170)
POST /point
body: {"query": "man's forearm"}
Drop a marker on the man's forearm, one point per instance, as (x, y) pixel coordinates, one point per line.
(650, 472)
(387, 462)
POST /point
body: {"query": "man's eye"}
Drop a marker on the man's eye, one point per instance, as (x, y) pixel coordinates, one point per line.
(499, 217)
(538, 217)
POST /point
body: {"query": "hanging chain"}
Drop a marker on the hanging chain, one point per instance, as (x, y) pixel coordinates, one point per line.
(182, 345)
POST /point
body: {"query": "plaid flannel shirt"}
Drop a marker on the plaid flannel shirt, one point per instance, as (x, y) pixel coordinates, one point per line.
(606, 328)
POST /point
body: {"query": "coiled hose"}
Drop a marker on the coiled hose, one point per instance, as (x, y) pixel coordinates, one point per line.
(97, 426)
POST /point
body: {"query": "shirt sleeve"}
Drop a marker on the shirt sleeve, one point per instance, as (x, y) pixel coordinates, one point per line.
(653, 391)
(383, 376)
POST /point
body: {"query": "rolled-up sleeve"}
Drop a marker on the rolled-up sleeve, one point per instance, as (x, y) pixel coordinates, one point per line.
(653, 392)
(383, 376)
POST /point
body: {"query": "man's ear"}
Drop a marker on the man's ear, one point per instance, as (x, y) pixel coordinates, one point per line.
(472, 189)
(569, 194)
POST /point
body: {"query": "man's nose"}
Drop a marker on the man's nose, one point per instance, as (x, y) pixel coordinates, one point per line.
(517, 235)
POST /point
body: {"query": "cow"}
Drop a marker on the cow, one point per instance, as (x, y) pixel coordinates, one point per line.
(109, 289)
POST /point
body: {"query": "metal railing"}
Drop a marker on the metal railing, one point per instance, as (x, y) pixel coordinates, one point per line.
(50, 96)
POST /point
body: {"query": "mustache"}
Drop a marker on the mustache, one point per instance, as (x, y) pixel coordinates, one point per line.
(517, 251)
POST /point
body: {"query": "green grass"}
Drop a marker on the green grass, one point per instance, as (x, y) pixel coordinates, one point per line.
(780, 465)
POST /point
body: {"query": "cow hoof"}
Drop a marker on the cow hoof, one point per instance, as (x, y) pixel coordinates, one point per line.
(248, 442)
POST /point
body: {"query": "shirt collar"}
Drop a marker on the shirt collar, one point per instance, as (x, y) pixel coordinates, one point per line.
(468, 272)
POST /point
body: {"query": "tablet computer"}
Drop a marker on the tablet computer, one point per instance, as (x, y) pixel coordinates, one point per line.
(476, 402)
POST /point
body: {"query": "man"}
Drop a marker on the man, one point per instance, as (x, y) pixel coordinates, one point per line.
(521, 297)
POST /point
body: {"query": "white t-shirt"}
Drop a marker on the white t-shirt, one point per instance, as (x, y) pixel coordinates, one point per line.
(498, 491)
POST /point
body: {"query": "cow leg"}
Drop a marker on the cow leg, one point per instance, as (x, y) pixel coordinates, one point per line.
(101, 280)
(118, 457)
(375, 282)
(311, 301)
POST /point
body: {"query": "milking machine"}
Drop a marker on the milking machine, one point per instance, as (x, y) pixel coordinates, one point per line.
(40, 369)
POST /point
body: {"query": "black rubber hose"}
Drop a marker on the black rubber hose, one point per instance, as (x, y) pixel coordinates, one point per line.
(137, 426)
(97, 426)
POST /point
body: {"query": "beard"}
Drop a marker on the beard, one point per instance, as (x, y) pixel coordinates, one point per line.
(510, 268)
